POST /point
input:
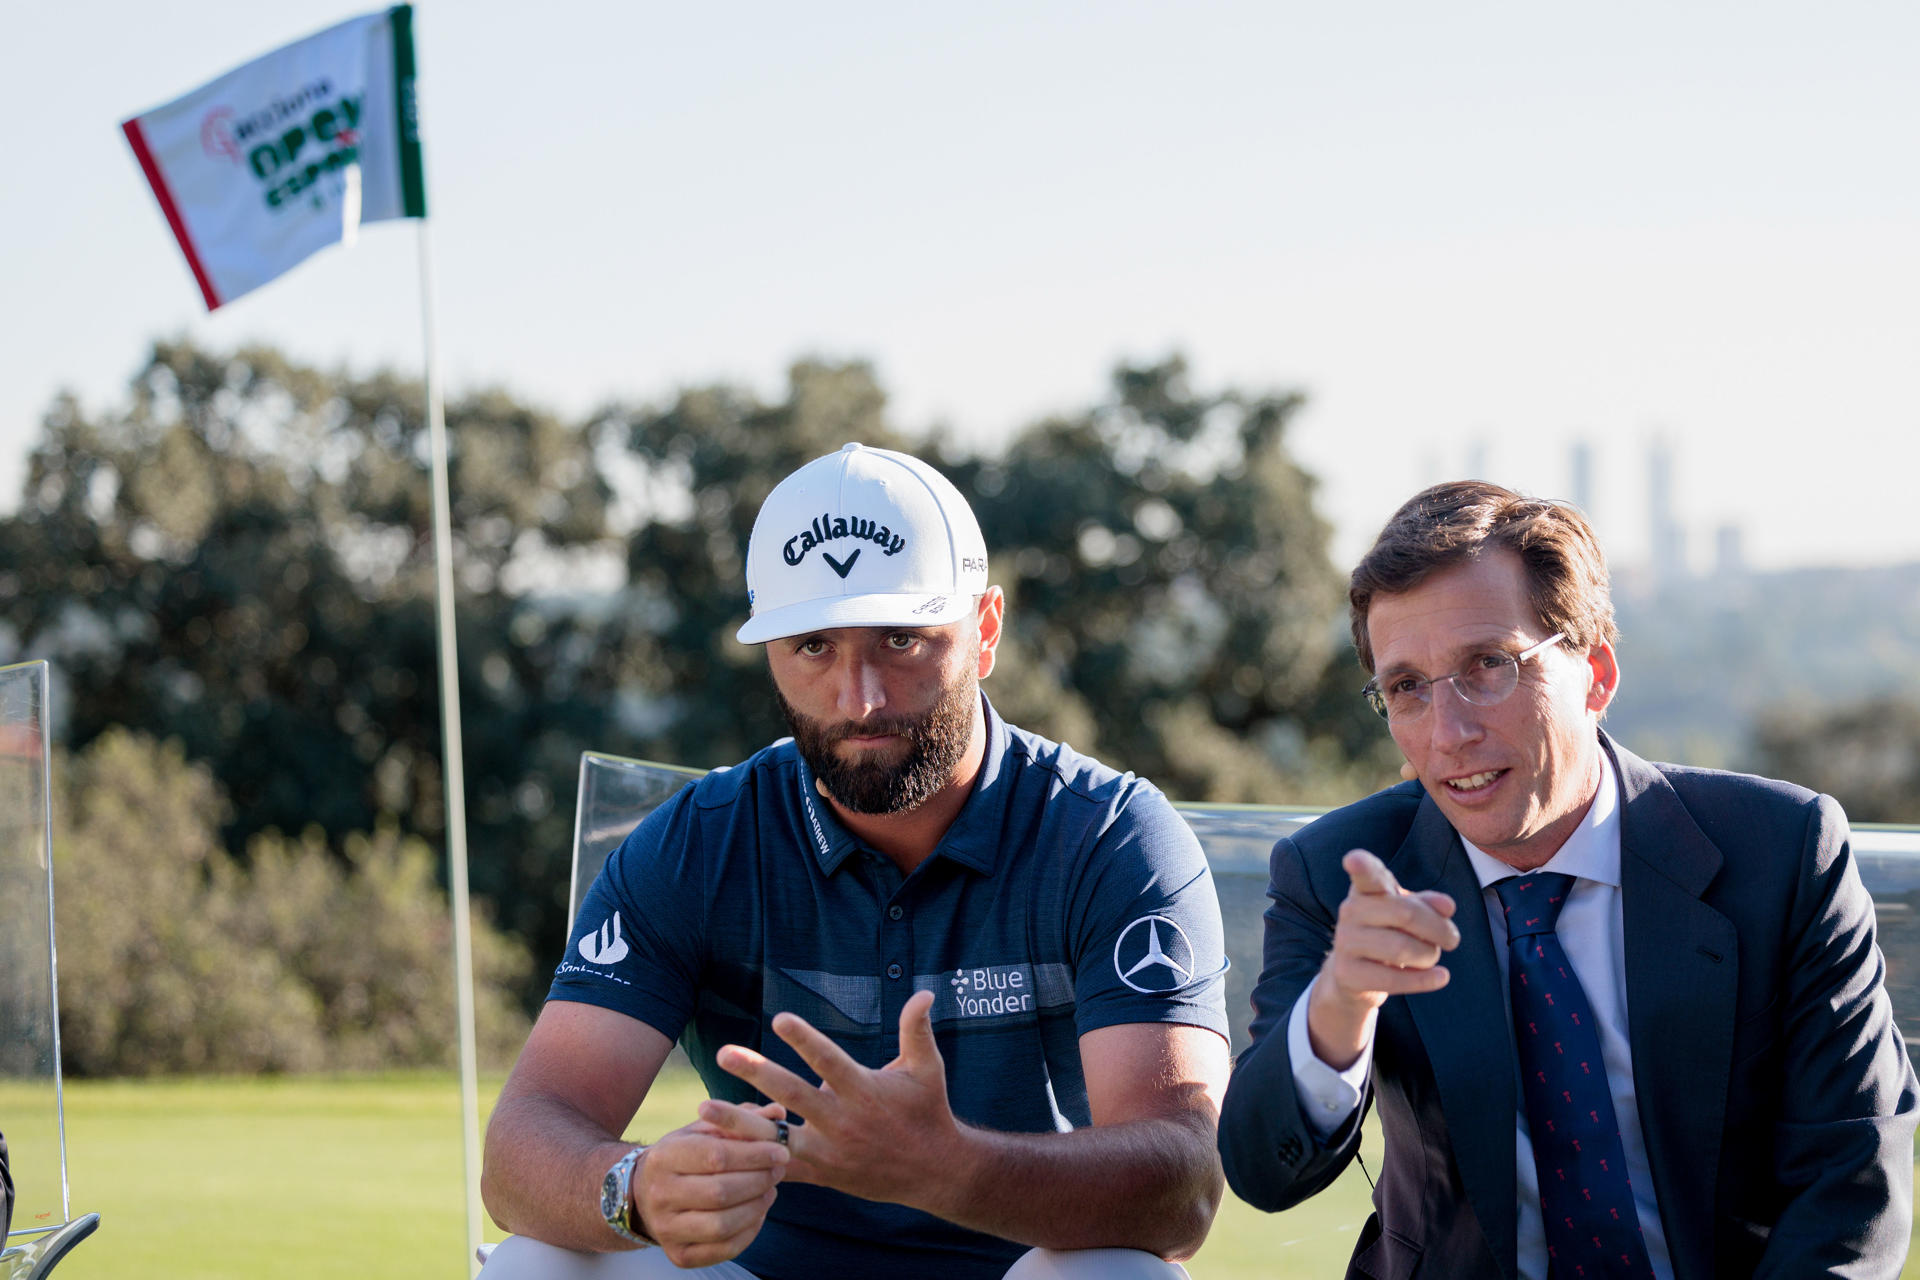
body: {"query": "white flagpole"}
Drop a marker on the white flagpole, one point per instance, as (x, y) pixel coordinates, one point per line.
(453, 770)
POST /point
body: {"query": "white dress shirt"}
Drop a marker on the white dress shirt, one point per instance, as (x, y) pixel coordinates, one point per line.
(1591, 930)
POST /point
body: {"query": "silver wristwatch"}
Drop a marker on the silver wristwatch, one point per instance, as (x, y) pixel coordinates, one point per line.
(616, 1198)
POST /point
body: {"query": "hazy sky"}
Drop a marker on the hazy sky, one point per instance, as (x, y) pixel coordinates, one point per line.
(1465, 230)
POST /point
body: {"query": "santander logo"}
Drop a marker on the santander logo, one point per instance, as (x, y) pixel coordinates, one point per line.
(605, 946)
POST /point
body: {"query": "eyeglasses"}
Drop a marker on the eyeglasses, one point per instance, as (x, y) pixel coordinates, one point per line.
(1487, 680)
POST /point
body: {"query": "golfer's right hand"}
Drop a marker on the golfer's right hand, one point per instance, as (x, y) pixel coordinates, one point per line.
(702, 1195)
(1386, 942)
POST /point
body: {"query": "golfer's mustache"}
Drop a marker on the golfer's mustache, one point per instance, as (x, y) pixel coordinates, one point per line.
(894, 726)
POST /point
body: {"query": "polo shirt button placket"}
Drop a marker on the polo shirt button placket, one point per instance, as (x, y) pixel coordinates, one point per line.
(896, 942)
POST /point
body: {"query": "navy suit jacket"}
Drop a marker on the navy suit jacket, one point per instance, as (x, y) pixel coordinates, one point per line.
(1776, 1097)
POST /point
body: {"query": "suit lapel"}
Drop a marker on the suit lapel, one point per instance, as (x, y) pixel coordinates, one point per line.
(1682, 964)
(1464, 1029)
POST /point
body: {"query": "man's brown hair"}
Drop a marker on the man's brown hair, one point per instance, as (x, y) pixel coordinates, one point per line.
(1452, 523)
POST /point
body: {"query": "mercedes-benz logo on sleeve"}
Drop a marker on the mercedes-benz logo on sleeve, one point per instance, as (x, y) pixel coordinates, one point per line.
(1152, 955)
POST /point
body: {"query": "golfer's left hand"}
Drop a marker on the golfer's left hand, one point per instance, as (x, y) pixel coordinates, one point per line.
(882, 1135)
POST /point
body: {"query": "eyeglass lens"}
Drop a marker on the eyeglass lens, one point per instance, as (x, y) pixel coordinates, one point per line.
(1488, 679)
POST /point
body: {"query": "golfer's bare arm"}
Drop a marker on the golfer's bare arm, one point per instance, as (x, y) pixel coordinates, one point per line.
(556, 1129)
(1145, 1175)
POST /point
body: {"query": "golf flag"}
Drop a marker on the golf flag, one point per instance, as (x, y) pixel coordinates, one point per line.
(275, 160)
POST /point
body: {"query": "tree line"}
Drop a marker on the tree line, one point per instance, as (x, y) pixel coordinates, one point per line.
(231, 573)
(237, 561)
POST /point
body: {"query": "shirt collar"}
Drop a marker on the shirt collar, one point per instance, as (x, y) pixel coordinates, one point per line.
(973, 839)
(830, 842)
(1592, 852)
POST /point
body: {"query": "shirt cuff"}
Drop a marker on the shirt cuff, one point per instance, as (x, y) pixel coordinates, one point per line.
(1327, 1097)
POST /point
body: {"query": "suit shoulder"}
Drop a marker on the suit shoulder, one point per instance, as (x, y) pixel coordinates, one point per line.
(1760, 822)
(1718, 797)
(1379, 822)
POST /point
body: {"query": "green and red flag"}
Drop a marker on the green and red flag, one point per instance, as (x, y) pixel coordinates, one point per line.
(277, 159)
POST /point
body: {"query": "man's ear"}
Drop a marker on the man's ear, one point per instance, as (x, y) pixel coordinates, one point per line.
(1603, 677)
(990, 610)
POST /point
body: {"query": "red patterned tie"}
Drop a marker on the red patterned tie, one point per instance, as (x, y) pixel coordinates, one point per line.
(1586, 1201)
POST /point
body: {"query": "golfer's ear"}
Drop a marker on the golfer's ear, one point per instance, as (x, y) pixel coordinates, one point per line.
(990, 611)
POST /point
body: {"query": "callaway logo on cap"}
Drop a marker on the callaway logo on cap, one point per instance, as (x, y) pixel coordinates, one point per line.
(862, 538)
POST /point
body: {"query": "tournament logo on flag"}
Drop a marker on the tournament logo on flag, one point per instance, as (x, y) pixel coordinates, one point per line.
(260, 169)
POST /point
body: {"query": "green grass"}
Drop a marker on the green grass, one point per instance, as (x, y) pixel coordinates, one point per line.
(361, 1176)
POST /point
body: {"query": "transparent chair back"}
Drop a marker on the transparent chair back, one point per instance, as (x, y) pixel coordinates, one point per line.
(616, 793)
(30, 1113)
(43, 1227)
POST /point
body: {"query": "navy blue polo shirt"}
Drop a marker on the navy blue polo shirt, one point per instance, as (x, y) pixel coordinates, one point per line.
(1065, 897)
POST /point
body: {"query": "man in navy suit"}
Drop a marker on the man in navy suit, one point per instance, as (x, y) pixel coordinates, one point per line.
(1618, 1018)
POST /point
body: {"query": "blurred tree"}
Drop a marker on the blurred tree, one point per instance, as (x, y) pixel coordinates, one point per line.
(175, 958)
(1171, 598)
(150, 980)
(242, 560)
(371, 941)
(1864, 754)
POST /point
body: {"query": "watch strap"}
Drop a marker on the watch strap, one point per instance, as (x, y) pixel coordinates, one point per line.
(616, 1198)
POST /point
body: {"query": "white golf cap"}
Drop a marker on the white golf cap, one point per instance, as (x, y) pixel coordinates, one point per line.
(862, 538)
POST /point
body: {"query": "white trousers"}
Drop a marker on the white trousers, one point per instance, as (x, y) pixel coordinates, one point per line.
(522, 1258)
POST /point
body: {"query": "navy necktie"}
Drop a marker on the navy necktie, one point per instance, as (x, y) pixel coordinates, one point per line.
(1586, 1201)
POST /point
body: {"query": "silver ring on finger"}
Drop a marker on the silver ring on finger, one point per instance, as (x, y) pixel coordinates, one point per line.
(780, 1134)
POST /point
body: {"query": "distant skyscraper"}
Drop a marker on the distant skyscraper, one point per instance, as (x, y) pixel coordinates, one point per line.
(1729, 551)
(1580, 476)
(1667, 545)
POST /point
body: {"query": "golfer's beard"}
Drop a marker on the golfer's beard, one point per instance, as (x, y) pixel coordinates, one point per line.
(935, 743)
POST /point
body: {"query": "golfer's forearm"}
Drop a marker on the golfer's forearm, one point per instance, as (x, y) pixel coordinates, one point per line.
(1147, 1184)
(542, 1173)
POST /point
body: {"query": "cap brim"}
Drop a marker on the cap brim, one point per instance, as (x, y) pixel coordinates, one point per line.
(910, 610)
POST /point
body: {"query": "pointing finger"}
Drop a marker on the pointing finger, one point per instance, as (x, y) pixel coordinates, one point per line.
(1368, 873)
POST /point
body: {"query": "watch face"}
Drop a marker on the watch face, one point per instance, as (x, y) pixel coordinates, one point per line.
(615, 1207)
(610, 1190)
(610, 1195)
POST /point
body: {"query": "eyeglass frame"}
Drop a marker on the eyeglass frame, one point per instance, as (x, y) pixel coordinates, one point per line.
(1378, 700)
